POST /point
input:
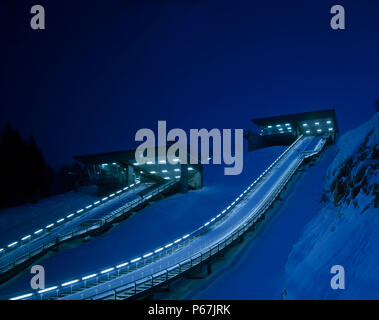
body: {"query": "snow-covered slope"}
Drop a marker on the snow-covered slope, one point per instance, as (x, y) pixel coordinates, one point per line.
(157, 224)
(346, 231)
(19, 221)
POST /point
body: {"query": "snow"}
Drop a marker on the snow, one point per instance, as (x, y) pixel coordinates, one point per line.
(345, 231)
(16, 222)
(155, 225)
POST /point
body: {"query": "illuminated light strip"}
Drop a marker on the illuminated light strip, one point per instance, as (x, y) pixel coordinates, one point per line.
(186, 236)
(119, 191)
(254, 181)
(122, 265)
(218, 215)
(89, 276)
(205, 224)
(111, 195)
(70, 282)
(22, 297)
(158, 250)
(168, 245)
(148, 255)
(48, 289)
(178, 240)
(135, 260)
(107, 270)
(62, 219)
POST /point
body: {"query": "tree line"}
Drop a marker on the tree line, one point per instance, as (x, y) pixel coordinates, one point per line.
(25, 176)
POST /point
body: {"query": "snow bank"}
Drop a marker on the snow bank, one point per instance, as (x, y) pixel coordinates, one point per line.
(345, 231)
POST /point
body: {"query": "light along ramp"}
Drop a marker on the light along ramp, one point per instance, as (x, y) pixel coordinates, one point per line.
(154, 268)
(83, 222)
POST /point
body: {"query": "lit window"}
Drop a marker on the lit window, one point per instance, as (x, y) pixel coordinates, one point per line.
(305, 124)
(164, 170)
(319, 130)
(330, 129)
(269, 127)
(317, 123)
(328, 122)
(308, 131)
(287, 124)
(278, 125)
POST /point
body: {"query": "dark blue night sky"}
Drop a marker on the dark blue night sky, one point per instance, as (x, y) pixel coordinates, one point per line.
(104, 69)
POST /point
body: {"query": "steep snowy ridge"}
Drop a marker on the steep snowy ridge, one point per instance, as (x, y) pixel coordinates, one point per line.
(346, 231)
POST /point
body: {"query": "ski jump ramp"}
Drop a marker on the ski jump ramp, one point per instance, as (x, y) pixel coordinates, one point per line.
(138, 275)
